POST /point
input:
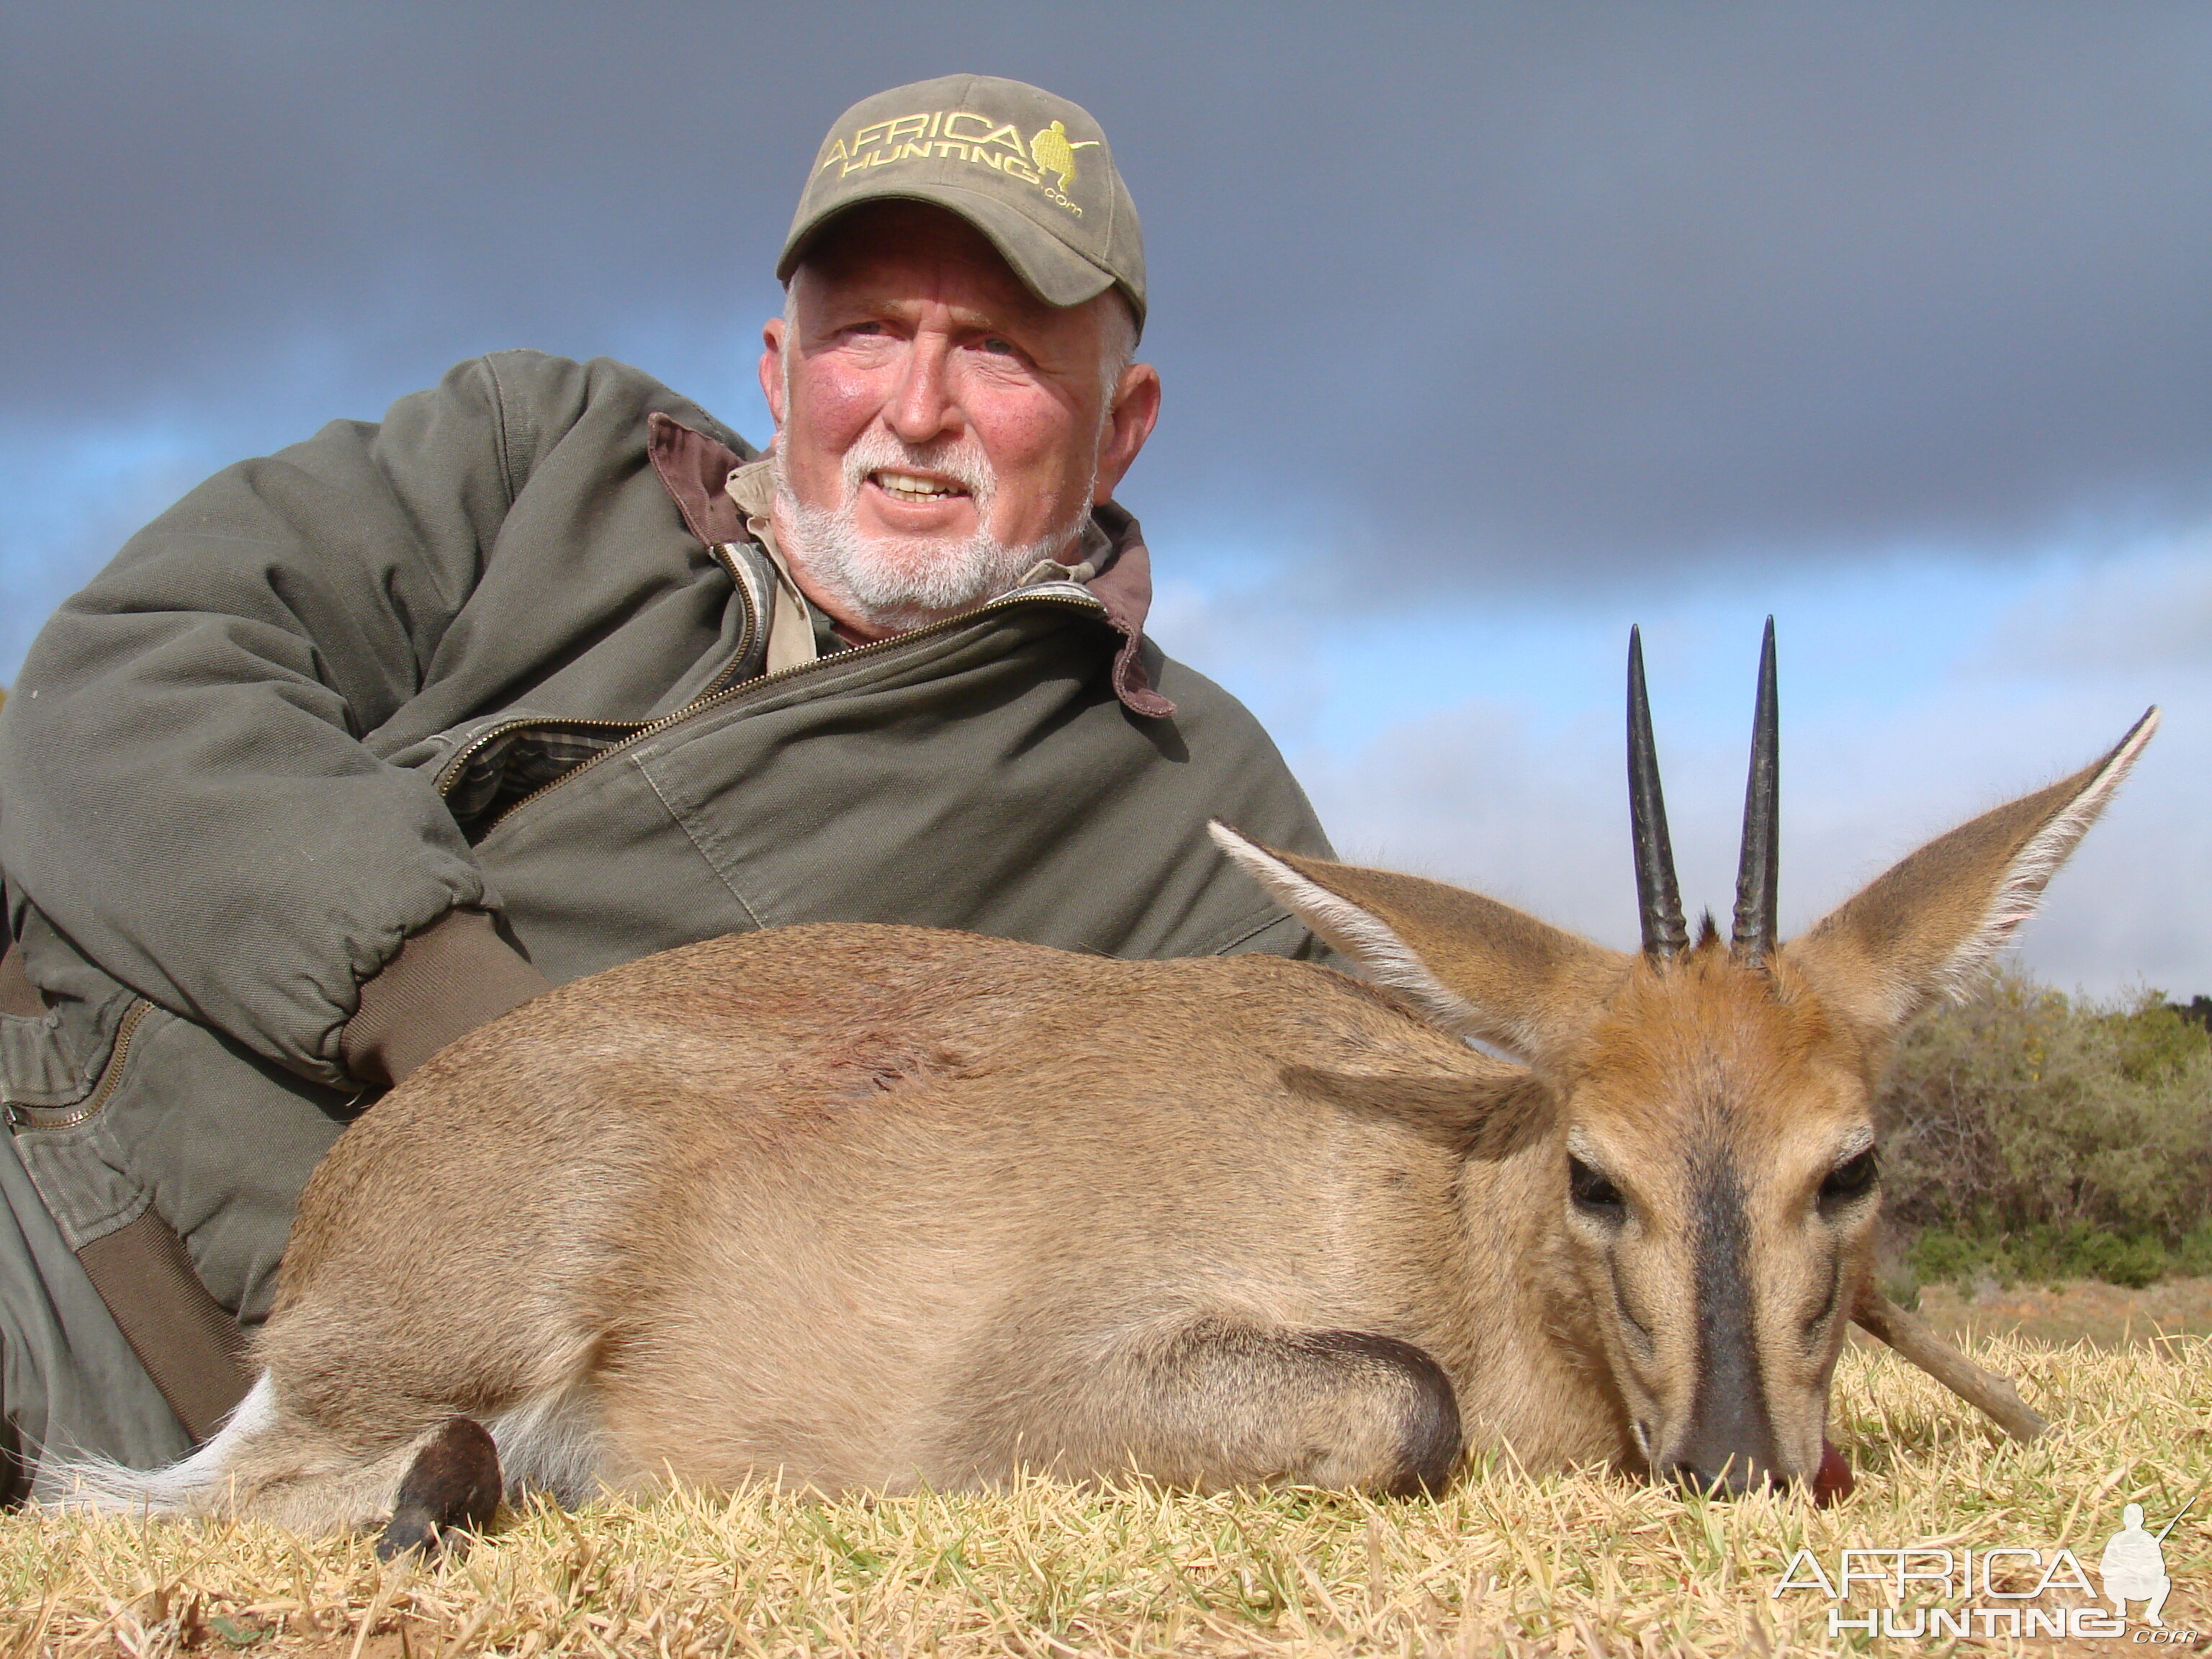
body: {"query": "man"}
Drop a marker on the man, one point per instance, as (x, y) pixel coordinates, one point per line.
(364, 744)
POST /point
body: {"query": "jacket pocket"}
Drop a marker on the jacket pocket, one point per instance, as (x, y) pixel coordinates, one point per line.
(86, 1194)
(514, 760)
(191, 1345)
(180, 1120)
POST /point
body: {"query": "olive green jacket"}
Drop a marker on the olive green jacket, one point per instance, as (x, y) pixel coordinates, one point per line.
(501, 653)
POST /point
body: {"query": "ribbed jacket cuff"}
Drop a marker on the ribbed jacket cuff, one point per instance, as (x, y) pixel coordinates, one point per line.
(454, 975)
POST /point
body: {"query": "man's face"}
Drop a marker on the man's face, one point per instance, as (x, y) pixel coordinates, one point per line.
(935, 419)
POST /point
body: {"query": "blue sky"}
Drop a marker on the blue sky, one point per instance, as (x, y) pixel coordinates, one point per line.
(1482, 744)
(1486, 331)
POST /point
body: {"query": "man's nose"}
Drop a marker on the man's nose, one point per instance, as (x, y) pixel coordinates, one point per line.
(921, 406)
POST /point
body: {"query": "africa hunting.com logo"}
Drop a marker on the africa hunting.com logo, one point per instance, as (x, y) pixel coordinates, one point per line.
(962, 135)
(1937, 1592)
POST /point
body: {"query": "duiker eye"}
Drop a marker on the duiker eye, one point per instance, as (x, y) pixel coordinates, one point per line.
(1853, 1178)
(1593, 1193)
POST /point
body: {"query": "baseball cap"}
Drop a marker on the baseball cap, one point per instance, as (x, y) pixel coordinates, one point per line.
(1029, 170)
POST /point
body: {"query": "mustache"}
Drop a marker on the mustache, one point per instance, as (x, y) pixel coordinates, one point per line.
(961, 460)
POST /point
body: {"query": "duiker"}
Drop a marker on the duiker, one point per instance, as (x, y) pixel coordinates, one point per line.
(865, 1208)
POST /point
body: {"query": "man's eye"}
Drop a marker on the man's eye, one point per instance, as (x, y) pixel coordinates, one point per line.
(997, 347)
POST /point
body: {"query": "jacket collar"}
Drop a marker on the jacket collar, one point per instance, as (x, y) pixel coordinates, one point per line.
(694, 469)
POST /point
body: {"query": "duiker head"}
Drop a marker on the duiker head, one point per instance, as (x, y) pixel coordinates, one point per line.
(1712, 1183)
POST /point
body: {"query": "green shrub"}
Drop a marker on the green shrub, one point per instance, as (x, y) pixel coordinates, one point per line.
(1935, 1257)
(2030, 1135)
(2043, 1253)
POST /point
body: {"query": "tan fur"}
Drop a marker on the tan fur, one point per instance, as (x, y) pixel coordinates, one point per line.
(865, 1208)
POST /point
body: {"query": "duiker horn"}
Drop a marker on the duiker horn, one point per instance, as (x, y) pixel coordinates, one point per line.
(1759, 869)
(1658, 896)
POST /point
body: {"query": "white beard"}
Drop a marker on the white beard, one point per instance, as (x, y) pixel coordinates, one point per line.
(893, 583)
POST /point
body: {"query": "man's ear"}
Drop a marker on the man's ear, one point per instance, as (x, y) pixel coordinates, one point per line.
(1477, 968)
(1136, 412)
(771, 367)
(1922, 931)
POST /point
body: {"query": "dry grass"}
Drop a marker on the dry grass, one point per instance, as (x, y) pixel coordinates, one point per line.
(1507, 1563)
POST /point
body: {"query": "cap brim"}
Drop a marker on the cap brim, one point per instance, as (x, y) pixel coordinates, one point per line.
(1049, 268)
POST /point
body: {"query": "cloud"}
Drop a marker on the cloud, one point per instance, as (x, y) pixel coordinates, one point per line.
(2147, 613)
(1472, 296)
(1482, 744)
(1487, 329)
(1479, 795)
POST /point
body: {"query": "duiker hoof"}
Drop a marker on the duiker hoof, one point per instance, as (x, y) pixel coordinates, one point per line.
(451, 1487)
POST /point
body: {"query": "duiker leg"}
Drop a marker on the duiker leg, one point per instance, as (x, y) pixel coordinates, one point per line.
(1220, 1402)
(268, 1463)
(329, 1492)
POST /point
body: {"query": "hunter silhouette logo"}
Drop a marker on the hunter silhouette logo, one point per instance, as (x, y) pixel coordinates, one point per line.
(964, 135)
(1055, 154)
(2134, 1565)
(1930, 1591)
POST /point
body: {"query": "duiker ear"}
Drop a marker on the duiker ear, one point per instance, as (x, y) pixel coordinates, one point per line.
(1920, 931)
(1479, 968)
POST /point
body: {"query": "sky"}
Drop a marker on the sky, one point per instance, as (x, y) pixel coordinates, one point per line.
(1487, 329)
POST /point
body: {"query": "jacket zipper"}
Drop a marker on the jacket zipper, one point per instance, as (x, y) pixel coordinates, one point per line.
(873, 648)
(755, 623)
(110, 1077)
(450, 774)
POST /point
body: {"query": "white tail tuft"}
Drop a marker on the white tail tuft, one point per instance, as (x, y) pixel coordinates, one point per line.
(188, 1487)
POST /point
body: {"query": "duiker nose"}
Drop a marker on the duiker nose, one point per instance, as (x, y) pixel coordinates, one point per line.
(1729, 1476)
